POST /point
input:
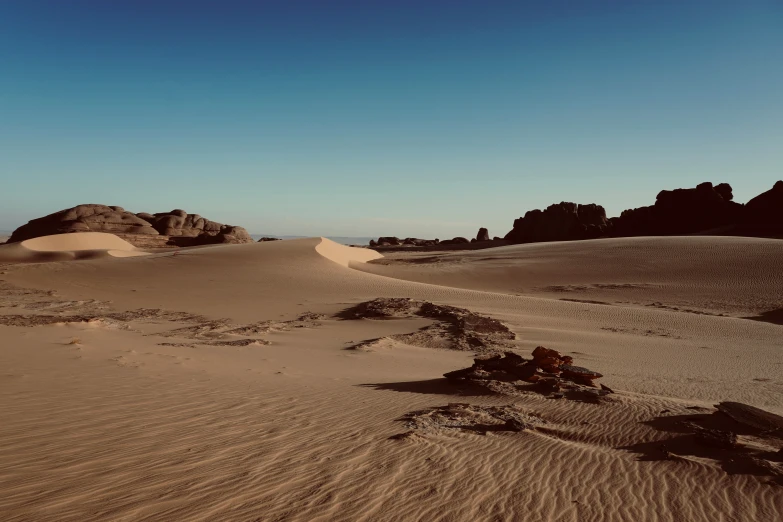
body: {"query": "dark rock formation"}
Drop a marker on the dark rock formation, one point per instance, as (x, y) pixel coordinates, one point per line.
(704, 209)
(483, 235)
(549, 372)
(391, 241)
(560, 222)
(681, 211)
(766, 209)
(456, 241)
(177, 227)
(751, 416)
(264, 239)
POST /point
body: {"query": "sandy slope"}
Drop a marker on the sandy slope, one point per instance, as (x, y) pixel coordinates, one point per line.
(719, 275)
(65, 247)
(154, 415)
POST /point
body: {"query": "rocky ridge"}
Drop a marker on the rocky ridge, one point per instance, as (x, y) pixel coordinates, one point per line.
(174, 228)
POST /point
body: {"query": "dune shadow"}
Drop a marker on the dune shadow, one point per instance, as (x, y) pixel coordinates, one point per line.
(440, 386)
(770, 316)
(740, 460)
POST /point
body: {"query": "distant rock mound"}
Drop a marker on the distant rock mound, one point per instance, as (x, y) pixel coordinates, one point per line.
(482, 235)
(455, 241)
(175, 228)
(560, 222)
(681, 211)
(391, 241)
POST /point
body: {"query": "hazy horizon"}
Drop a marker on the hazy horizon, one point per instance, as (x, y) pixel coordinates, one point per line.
(403, 118)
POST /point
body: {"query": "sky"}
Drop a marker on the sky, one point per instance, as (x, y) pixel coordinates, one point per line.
(383, 117)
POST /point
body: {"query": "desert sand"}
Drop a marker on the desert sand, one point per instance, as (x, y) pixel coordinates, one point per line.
(229, 383)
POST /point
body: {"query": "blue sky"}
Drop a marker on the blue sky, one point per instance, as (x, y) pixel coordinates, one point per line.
(366, 118)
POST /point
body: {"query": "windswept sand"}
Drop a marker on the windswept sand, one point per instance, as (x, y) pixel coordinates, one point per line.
(219, 383)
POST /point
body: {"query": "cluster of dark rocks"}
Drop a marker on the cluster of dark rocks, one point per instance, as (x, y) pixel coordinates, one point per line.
(392, 241)
(560, 222)
(389, 241)
(753, 432)
(548, 372)
(174, 228)
(707, 208)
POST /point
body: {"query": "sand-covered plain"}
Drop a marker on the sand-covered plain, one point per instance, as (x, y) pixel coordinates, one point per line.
(219, 383)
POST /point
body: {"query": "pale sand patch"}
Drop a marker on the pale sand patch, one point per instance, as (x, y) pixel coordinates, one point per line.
(65, 247)
(138, 424)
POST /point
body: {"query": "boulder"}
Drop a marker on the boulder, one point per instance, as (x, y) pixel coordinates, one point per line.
(549, 360)
(579, 375)
(84, 218)
(228, 234)
(483, 235)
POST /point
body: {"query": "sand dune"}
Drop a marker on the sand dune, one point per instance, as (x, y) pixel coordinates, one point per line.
(65, 247)
(219, 384)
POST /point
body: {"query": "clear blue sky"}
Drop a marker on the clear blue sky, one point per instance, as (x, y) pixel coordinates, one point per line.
(366, 118)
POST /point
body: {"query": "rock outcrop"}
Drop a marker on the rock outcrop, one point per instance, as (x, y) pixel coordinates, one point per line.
(681, 211)
(766, 209)
(483, 234)
(549, 372)
(175, 228)
(560, 222)
(391, 241)
(455, 241)
(707, 208)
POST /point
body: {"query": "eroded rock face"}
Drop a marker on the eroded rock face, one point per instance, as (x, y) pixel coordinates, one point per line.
(560, 222)
(483, 234)
(84, 218)
(177, 227)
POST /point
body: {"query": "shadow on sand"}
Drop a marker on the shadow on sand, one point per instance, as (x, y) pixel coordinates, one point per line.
(741, 460)
(770, 316)
(440, 386)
